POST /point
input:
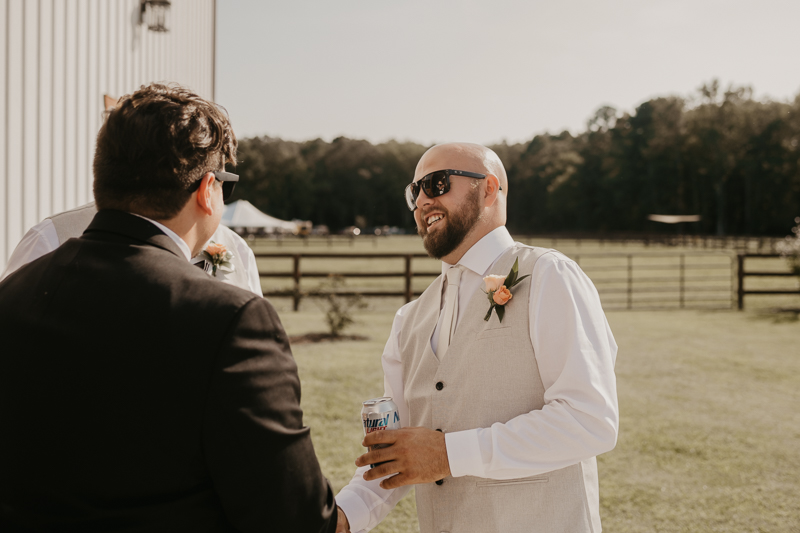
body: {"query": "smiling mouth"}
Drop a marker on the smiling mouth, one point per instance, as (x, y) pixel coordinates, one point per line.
(433, 219)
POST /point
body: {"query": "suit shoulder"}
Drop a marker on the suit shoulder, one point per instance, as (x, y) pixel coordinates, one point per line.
(218, 293)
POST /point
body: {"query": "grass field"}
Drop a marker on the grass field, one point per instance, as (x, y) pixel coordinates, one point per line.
(710, 417)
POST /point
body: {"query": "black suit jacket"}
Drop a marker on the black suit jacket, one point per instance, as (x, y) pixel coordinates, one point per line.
(138, 394)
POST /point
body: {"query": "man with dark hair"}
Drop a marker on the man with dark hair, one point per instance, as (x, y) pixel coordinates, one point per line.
(136, 393)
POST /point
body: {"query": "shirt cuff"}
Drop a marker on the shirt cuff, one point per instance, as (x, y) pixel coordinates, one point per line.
(355, 509)
(464, 453)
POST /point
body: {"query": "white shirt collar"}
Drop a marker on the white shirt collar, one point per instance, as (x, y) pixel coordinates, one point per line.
(172, 235)
(485, 252)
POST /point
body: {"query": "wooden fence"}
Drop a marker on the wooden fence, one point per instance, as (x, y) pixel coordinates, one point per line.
(624, 280)
(696, 280)
(745, 244)
(742, 273)
(297, 273)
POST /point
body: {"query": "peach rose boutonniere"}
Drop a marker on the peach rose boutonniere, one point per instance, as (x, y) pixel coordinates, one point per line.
(498, 290)
(219, 257)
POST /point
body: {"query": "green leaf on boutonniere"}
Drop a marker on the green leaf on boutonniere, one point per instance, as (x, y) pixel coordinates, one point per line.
(519, 280)
(512, 276)
(501, 311)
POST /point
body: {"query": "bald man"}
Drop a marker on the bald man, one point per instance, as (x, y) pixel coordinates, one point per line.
(505, 403)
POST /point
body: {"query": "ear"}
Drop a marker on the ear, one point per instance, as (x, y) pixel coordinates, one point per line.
(491, 190)
(205, 198)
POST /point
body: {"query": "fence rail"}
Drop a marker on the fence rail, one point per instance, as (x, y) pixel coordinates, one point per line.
(743, 273)
(660, 280)
(297, 274)
(623, 280)
(744, 244)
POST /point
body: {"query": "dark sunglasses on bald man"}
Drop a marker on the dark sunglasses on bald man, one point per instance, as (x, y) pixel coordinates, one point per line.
(227, 179)
(435, 184)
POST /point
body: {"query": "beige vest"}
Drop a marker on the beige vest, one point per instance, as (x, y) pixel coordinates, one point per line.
(489, 375)
(71, 224)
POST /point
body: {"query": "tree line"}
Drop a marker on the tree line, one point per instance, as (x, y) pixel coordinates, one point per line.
(720, 154)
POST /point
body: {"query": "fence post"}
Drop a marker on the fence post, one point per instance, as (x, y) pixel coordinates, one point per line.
(296, 276)
(682, 280)
(740, 275)
(409, 292)
(630, 281)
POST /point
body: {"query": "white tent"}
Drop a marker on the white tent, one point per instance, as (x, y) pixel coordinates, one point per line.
(243, 214)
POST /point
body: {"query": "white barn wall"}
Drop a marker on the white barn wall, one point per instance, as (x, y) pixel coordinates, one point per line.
(60, 58)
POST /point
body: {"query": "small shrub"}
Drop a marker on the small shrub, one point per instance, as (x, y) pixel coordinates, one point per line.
(338, 307)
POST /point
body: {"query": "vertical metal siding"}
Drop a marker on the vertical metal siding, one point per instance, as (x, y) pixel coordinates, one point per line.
(15, 127)
(4, 125)
(60, 58)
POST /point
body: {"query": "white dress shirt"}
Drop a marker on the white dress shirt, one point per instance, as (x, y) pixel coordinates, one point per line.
(187, 252)
(575, 353)
(42, 239)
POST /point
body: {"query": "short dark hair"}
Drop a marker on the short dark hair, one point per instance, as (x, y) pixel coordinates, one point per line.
(156, 143)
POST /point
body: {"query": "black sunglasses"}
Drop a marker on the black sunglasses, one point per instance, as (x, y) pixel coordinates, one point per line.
(435, 184)
(227, 179)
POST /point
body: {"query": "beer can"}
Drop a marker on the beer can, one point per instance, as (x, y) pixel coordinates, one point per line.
(379, 414)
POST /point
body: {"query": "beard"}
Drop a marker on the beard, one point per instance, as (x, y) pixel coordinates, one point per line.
(457, 226)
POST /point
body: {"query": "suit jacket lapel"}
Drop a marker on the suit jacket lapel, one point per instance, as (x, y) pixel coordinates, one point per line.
(133, 227)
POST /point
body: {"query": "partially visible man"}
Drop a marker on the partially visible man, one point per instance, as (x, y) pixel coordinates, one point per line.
(135, 394)
(54, 231)
(504, 402)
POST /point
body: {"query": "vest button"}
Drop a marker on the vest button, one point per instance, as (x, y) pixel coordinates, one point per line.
(440, 482)
(439, 385)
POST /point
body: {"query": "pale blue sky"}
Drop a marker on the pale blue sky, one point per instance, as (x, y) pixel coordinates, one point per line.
(485, 71)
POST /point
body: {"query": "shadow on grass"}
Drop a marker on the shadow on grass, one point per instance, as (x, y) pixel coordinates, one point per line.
(778, 314)
(324, 337)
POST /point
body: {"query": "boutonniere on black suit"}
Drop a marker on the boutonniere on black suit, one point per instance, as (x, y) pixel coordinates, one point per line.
(219, 257)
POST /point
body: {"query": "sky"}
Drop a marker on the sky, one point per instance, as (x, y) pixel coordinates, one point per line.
(485, 71)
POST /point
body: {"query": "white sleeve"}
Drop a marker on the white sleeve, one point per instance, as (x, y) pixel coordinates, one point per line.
(251, 267)
(364, 502)
(40, 240)
(575, 352)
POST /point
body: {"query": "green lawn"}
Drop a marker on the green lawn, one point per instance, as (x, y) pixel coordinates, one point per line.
(710, 417)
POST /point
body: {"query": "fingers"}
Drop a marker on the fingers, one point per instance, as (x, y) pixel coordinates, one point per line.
(382, 470)
(379, 455)
(395, 481)
(415, 455)
(388, 436)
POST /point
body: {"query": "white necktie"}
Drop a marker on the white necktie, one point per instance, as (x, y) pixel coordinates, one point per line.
(450, 311)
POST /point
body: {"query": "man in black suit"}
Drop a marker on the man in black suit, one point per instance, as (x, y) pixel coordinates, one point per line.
(138, 394)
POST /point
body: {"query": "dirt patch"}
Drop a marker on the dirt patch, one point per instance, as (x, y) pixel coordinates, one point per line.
(324, 337)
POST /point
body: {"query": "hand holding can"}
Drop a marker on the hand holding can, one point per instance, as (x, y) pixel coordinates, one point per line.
(379, 414)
